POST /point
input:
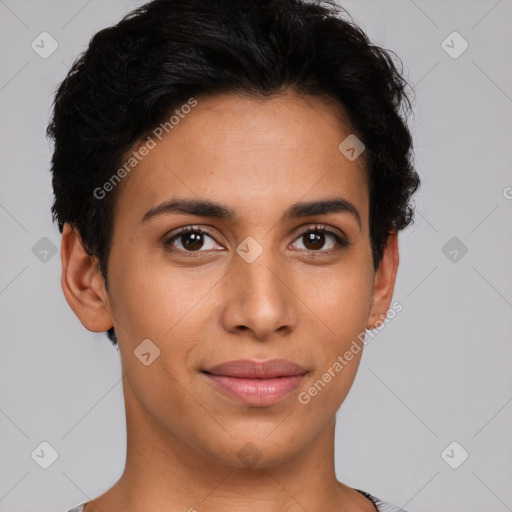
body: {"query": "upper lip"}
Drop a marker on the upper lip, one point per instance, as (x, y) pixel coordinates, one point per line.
(251, 369)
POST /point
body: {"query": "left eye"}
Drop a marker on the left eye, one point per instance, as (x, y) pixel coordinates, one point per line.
(314, 239)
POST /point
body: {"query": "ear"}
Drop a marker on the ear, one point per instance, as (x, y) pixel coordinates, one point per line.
(83, 284)
(384, 281)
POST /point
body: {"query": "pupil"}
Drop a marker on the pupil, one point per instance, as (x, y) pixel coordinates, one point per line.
(315, 239)
(197, 241)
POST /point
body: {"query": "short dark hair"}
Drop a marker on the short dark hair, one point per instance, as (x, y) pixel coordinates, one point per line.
(135, 73)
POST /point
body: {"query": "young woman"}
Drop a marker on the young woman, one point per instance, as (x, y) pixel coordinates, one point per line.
(230, 178)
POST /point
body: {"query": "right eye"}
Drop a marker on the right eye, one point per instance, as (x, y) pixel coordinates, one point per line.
(191, 239)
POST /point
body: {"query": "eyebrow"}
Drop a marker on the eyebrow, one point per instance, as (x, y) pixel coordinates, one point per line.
(207, 208)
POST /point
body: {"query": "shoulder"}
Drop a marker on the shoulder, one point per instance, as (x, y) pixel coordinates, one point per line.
(381, 506)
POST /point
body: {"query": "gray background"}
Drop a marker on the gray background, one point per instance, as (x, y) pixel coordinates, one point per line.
(439, 372)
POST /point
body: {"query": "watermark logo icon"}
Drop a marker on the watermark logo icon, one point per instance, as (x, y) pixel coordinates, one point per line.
(351, 147)
(454, 249)
(44, 45)
(146, 352)
(454, 45)
(454, 455)
(44, 455)
(249, 249)
(249, 454)
(44, 250)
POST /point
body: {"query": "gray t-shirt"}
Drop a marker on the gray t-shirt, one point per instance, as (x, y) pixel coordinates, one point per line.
(381, 506)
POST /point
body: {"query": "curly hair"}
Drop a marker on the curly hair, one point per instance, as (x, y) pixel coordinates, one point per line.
(133, 74)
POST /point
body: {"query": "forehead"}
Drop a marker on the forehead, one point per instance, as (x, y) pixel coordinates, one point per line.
(249, 152)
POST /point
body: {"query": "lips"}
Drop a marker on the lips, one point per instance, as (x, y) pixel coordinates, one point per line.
(256, 383)
(250, 369)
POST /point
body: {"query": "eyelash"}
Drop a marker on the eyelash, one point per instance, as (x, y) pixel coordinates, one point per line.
(342, 242)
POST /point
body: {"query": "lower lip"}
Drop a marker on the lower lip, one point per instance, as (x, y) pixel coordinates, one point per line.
(257, 391)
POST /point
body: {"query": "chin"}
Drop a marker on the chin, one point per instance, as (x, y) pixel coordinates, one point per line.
(253, 450)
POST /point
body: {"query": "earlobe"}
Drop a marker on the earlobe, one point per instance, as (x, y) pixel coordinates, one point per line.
(384, 282)
(83, 284)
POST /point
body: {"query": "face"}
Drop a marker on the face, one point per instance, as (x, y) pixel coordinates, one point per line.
(279, 266)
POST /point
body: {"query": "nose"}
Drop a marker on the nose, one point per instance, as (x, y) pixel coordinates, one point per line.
(259, 298)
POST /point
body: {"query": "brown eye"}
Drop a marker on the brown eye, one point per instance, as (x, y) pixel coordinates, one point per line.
(190, 239)
(316, 238)
(314, 241)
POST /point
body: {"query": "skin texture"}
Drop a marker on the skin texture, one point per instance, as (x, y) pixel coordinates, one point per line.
(258, 157)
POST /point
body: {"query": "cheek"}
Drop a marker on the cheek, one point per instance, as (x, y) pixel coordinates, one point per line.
(152, 300)
(340, 302)
(337, 311)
